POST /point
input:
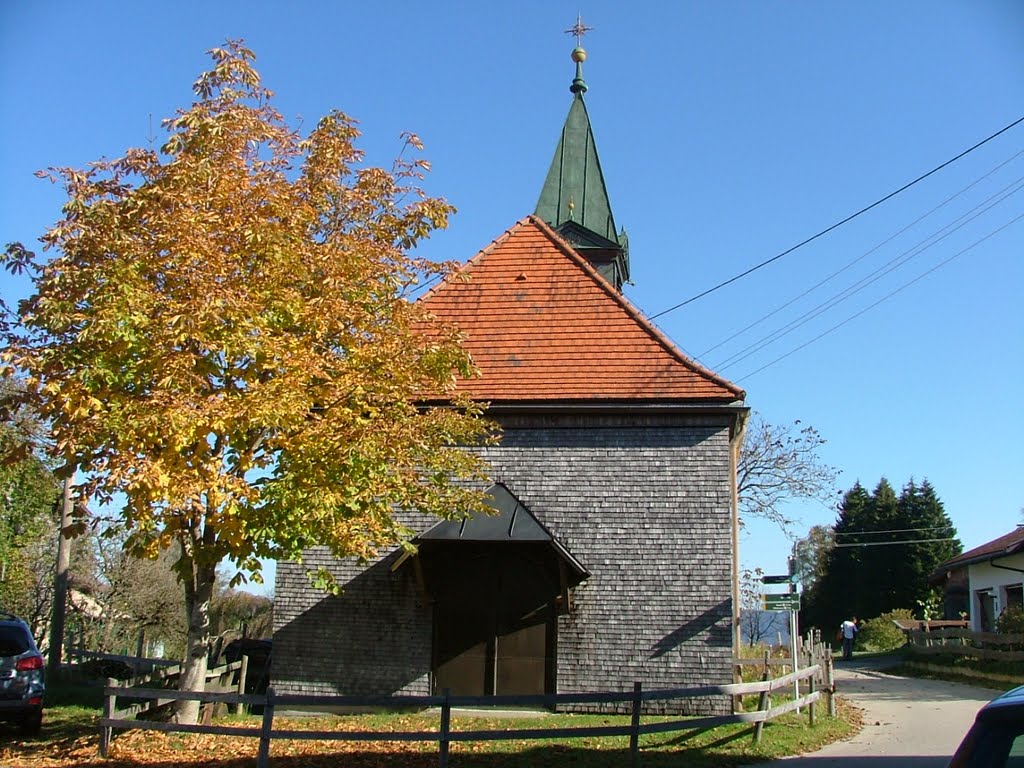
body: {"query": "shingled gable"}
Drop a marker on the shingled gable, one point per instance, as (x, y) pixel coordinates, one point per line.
(543, 325)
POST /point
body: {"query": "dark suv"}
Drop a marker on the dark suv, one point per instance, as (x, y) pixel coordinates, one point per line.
(996, 740)
(21, 675)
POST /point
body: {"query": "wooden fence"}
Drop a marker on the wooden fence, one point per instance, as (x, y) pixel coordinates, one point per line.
(114, 718)
(811, 652)
(149, 694)
(963, 642)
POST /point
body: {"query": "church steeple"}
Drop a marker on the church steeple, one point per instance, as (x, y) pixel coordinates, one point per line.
(574, 199)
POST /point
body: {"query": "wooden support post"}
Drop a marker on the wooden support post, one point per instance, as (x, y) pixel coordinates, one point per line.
(764, 701)
(810, 707)
(634, 734)
(737, 677)
(445, 730)
(830, 685)
(106, 732)
(263, 759)
(243, 672)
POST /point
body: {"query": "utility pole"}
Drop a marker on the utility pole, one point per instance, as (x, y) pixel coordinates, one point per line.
(60, 581)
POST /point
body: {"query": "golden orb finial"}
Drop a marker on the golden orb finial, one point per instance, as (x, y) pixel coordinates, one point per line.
(578, 30)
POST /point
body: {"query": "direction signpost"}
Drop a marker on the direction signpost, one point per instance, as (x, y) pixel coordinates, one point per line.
(783, 579)
(789, 601)
(784, 602)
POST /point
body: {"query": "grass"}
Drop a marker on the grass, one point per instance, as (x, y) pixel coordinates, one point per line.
(963, 669)
(70, 736)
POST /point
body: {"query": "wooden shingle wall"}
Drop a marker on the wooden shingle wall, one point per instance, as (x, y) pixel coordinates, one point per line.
(643, 502)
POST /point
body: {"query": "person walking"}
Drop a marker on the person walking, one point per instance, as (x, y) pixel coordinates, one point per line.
(848, 631)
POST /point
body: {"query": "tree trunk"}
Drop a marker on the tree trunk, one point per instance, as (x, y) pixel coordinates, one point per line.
(198, 594)
(60, 580)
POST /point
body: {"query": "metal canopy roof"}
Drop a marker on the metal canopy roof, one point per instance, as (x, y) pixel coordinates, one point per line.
(513, 523)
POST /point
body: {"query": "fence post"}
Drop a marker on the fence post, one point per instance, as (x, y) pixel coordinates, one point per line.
(830, 685)
(810, 707)
(263, 759)
(242, 709)
(634, 734)
(446, 725)
(764, 701)
(106, 732)
(737, 677)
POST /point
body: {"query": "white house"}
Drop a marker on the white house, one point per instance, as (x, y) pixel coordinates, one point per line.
(984, 581)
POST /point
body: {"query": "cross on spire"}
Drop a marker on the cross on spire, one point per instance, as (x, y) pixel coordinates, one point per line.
(579, 29)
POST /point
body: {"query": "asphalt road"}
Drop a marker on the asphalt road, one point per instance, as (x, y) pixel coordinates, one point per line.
(908, 722)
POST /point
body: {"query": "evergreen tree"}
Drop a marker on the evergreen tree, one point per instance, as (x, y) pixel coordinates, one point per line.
(878, 576)
(885, 548)
(931, 540)
(836, 593)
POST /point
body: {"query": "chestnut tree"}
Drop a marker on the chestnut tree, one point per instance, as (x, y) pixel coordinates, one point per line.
(221, 344)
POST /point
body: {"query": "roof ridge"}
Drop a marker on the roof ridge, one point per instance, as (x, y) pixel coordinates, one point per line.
(634, 312)
(994, 546)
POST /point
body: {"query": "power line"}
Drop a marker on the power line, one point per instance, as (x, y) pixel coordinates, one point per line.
(840, 223)
(893, 264)
(420, 288)
(894, 530)
(884, 298)
(892, 544)
(864, 255)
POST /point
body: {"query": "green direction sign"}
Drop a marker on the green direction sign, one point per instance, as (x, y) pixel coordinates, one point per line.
(782, 602)
(784, 579)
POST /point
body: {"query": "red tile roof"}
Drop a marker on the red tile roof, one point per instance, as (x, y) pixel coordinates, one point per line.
(1008, 544)
(543, 325)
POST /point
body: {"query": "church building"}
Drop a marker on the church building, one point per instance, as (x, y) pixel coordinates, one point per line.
(612, 553)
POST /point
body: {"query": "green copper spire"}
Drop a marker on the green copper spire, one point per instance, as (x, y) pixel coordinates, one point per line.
(574, 191)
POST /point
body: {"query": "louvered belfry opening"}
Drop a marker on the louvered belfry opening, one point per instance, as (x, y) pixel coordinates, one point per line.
(497, 585)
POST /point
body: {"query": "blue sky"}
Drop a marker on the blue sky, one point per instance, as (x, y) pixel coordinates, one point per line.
(728, 132)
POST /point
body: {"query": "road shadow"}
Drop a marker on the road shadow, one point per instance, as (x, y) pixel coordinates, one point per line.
(931, 761)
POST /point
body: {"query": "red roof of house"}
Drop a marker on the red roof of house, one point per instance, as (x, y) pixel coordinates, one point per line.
(543, 325)
(1008, 544)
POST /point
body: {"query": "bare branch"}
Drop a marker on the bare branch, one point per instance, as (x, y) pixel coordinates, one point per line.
(778, 464)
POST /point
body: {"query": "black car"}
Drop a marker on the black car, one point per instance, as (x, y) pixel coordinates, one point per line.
(21, 675)
(996, 740)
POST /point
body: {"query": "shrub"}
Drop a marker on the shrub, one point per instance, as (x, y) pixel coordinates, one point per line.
(880, 634)
(1011, 622)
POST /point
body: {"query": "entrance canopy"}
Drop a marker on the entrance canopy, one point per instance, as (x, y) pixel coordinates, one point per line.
(497, 584)
(512, 523)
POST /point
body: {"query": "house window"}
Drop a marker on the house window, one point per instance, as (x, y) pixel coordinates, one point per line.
(985, 602)
(1013, 596)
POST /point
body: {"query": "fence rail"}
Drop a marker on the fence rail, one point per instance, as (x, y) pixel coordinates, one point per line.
(963, 642)
(148, 696)
(444, 736)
